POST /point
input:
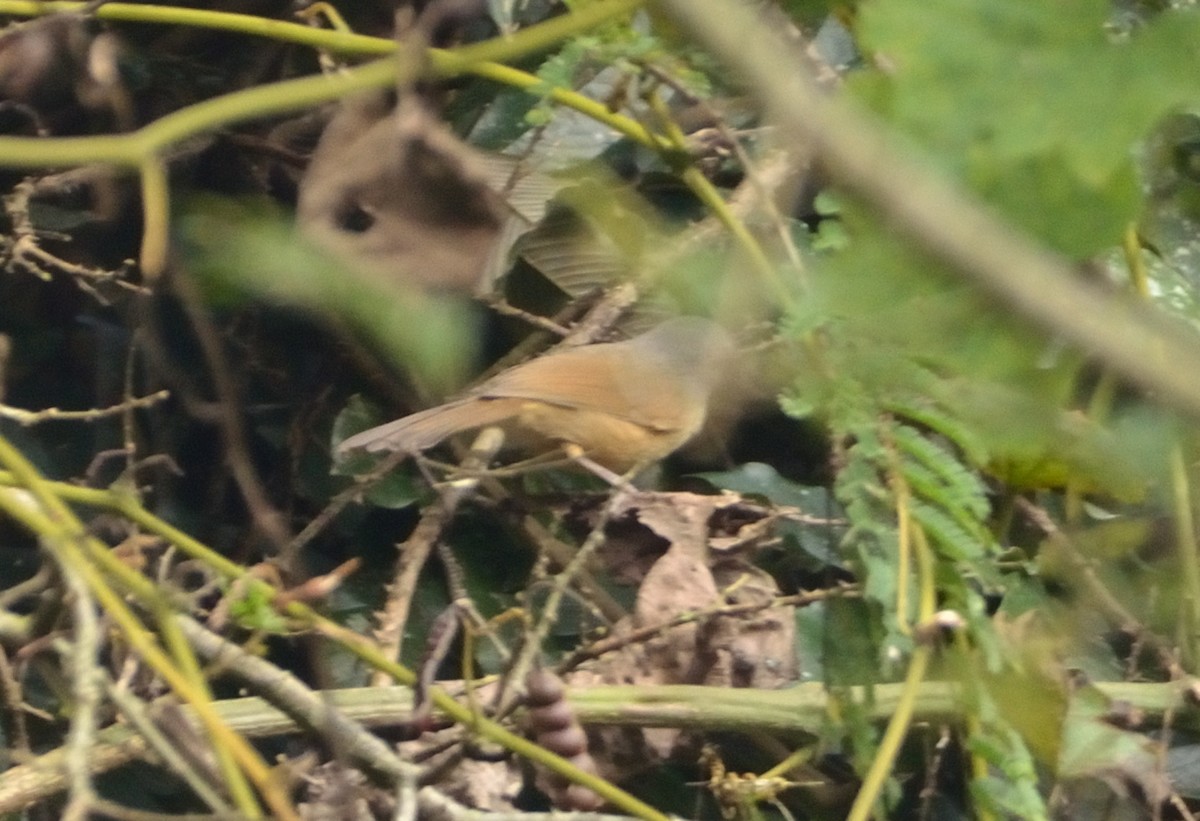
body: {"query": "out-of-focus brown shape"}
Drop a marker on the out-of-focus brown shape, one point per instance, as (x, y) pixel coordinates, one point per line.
(555, 727)
(56, 68)
(393, 192)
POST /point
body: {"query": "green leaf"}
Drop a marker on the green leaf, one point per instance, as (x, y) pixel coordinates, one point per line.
(817, 541)
(757, 479)
(255, 610)
(1035, 104)
(396, 490)
(944, 422)
(357, 416)
(953, 541)
(1043, 195)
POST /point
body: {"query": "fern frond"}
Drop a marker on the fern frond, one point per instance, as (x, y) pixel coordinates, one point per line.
(949, 483)
(944, 422)
(952, 540)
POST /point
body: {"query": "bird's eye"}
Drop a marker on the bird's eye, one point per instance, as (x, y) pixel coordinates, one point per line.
(353, 218)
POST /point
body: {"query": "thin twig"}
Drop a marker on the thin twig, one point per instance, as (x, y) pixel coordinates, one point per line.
(269, 521)
(536, 638)
(415, 551)
(28, 417)
(641, 634)
(289, 558)
(85, 688)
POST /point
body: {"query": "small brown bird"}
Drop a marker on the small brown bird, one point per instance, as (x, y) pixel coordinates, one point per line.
(624, 403)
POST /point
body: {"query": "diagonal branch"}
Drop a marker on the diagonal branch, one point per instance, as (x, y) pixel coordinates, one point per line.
(1141, 344)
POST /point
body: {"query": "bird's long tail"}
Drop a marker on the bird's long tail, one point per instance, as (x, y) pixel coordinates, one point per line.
(423, 430)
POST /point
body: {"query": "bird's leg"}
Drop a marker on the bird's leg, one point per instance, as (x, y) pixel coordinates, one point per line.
(543, 461)
(621, 482)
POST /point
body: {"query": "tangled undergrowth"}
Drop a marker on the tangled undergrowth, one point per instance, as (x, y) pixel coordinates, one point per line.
(932, 554)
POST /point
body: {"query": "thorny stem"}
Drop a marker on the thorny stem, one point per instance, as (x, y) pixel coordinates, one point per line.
(448, 64)
(64, 535)
(803, 708)
(416, 549)
(128, 505)
(535, 639)
(130, 150)
(527, 41)
(708, 194)
(283, 31)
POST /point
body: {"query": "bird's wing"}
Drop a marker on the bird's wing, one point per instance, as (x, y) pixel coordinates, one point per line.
(592, 378)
